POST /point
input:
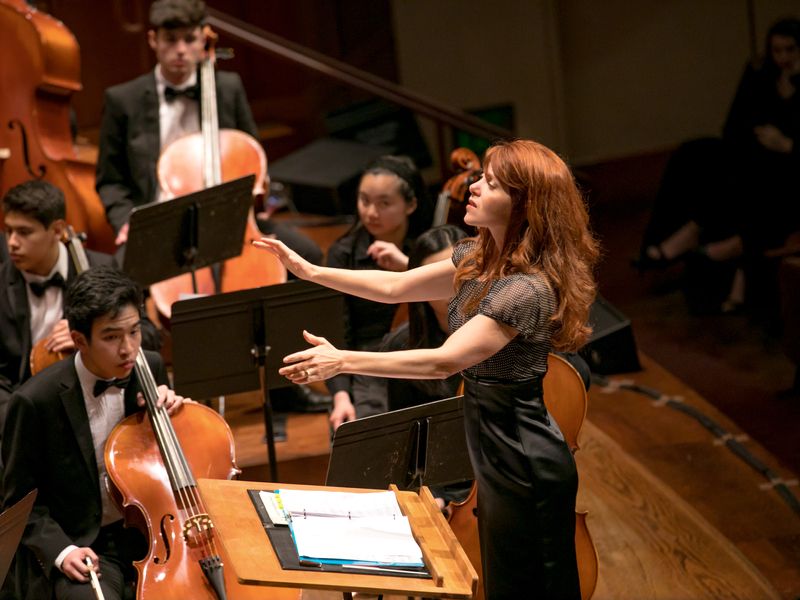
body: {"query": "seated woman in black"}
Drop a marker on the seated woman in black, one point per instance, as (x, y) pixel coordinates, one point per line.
(737, 196)
(393, 209)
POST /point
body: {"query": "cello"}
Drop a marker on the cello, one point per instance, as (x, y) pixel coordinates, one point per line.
(566, 400)
(151, 459)
(200, 160)
(39, 73)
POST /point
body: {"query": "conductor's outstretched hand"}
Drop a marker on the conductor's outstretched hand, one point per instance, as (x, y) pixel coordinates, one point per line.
(298, 266)
(317, 363)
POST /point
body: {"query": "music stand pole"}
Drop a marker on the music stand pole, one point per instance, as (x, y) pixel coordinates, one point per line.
(260, 356)
(190, 249)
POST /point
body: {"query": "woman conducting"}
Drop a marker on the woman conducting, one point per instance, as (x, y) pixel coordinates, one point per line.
(522, 287)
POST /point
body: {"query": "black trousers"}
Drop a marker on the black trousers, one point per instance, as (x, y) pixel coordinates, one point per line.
(527, 483)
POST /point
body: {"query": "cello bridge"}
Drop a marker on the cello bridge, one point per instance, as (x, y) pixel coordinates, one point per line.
(196, 526)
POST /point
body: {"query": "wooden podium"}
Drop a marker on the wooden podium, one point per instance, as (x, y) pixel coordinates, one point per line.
(255, 563)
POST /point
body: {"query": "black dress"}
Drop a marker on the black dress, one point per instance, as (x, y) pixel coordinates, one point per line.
(527, 480)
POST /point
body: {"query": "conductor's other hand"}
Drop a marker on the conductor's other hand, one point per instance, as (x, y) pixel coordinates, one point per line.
(314, 364)
(388, 256)
(298, 266)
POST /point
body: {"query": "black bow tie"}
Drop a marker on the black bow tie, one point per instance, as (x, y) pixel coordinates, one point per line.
(39, 287)
(191, 92)
(101, 385)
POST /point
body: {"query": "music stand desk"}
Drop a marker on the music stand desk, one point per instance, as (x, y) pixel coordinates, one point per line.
(255, 563)
(13, 521)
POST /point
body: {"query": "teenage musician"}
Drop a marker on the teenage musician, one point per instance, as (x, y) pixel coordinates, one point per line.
(54, 440)
(142, 116)
(32, 282)
(522, 287)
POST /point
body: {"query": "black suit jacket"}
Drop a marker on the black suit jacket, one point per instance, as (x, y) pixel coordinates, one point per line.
(130, 139)
(15, 324)
(47, 444)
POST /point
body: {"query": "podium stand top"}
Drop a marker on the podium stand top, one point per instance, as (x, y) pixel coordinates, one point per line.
(255, 563)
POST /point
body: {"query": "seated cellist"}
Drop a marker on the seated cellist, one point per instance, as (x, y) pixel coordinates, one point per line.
(57, 426)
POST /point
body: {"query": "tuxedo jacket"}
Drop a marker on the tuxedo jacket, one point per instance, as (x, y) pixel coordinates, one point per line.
(15, 324)
(130, 139)
(47, 445)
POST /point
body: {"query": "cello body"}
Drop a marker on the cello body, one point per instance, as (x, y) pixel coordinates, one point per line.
(141, 486)
(39, 73)
(135, 466)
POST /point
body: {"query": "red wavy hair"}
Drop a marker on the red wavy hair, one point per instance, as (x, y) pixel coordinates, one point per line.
(548, 233)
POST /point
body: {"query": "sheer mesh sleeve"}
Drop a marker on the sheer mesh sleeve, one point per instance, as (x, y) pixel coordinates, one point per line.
(460, 251)
(520, 301)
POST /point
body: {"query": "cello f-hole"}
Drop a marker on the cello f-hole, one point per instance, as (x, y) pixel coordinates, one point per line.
(165, 535)
(41, 169)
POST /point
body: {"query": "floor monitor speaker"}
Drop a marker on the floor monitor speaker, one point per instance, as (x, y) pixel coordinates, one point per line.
(611, 347)
(323, 177)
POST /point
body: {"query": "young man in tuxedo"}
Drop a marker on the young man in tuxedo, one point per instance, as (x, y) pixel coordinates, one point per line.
(34, 272)
(142, 116)
(33, 276)
(54, 439)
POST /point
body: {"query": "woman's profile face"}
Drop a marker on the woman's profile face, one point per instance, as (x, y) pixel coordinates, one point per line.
(489, 205)
(382, 209)
(785, 53)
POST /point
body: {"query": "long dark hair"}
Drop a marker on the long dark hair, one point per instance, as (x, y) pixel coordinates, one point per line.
(411, 186)
(423, 328)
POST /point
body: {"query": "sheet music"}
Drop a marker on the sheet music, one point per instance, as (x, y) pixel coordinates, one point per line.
(298, 503)
(351, 527)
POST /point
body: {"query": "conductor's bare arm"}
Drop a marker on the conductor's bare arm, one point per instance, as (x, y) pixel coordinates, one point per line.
(477, 340)
(431, 282)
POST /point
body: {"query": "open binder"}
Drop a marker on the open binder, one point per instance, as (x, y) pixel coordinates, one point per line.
(285, 548)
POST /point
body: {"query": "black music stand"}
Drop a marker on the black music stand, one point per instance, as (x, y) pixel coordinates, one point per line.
(235, 342)
(12, 524)
(411, 447)
(167, 239)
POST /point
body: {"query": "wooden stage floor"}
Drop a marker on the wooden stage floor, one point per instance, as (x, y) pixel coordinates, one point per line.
(674, 514)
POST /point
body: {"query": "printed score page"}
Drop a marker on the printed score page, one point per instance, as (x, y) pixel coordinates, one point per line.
(351, 527)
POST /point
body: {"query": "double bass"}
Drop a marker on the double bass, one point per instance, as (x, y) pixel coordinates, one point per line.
(39, 73)
(201, 160)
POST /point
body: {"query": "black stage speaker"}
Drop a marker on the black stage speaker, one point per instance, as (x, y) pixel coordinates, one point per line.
(323, 177)
(611, 347)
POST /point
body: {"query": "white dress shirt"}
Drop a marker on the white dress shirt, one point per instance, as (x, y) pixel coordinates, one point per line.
(47, 310)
